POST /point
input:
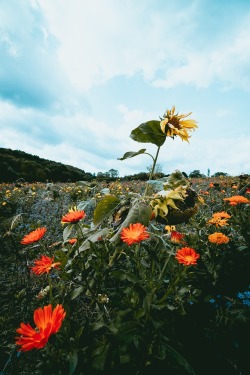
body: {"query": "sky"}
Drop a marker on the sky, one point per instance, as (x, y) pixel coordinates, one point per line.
(76, 77)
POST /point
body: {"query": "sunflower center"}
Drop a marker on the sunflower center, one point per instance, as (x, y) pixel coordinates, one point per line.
(175, 122)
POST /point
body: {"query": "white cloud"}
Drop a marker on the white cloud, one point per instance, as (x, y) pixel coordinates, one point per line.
(103, 39)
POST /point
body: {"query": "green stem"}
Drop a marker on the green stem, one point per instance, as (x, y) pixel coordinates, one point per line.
(154, 164)
(153, 169)
(170, 288)
(163, 268)
(155, 288)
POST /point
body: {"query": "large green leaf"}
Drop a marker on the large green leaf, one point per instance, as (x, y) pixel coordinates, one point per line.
(149, 132)
(131, 154)
(102, 233)
(67, 232)
(140, 212)
(104, 208)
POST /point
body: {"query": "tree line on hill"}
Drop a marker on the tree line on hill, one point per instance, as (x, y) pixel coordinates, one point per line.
(15, 165)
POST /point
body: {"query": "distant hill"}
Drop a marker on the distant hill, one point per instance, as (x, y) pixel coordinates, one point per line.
(15, 164)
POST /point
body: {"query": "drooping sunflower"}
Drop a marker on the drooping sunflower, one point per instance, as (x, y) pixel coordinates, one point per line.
(48, 322)
(173, 125)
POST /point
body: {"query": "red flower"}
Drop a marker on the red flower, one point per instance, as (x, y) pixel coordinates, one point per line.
(176, 237)
(73, 216)
(44, 265)
(134, 233)
(47, 322)
(33, 236)
(71, 241)
(187, 256)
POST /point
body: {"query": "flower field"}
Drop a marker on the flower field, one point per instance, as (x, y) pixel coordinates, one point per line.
(129, 276)
(162, 296)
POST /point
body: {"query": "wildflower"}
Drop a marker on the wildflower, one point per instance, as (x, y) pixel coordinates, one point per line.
(219, 219)
(71, 241)
(176, 237)
(4, 203)
(44, 265)
(172, 125)
(211, 185)
(33, 236)
(236, 199)
(221, 215)
(169, 228)
(187, 256)
(134, 233)
(73, 216)
(47, 322)
(218, 222)
(218, 238)
(248, 191)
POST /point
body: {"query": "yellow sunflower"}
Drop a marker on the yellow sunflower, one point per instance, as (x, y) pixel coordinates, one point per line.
(173, 125)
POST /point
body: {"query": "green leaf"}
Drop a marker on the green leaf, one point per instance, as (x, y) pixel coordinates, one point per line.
(180, 360)
(140, 212)
(124, 275)
(67, 232)
(100, 355)
(93, 238)
(83, 204)
(131, 154)
(77, 292)
(73, 359)
(149, 132)
(104, 208)
(82, 183)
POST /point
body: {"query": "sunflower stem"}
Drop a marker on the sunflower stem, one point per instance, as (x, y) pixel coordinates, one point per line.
(153, 169)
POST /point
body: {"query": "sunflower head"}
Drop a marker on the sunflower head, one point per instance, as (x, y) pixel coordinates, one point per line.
(173, 124)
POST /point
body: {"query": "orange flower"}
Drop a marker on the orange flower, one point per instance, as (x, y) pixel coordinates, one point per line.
(134, 233)
(44, 265)
(219, 219)
(33, 236)
(73, 216)
(221, 215)
(187, 256)
(176, 237)
(47, 322)
(211, 185)
(71, 241)
(218, 238)
(237, 199)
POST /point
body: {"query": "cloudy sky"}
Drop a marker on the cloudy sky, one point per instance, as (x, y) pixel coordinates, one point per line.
(76, 77)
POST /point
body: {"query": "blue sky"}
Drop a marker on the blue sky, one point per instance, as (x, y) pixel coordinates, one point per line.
(76, 77)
